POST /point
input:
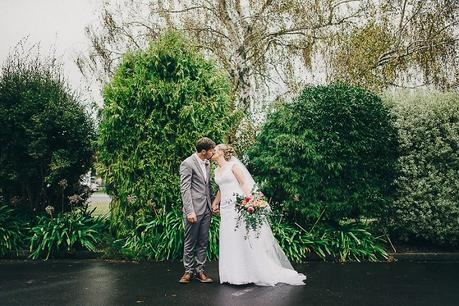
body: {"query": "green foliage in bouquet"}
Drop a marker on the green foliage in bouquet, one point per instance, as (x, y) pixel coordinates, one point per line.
(65, 233)
(426, 208)
(328, 154)
(46, 134)
(12, 231)
(159, 103)
(253, 212)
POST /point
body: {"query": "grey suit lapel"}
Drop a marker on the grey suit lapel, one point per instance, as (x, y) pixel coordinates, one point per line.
(197, 165)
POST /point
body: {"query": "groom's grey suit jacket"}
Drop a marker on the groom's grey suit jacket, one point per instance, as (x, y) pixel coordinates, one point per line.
(195, 189)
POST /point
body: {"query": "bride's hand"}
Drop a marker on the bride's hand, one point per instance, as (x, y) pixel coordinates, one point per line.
(216, 203)
(215, 209)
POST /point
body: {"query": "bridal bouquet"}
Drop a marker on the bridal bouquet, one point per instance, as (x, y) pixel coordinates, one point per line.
(254, 210)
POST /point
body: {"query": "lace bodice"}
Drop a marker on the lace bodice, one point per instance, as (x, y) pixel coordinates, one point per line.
(228, 184)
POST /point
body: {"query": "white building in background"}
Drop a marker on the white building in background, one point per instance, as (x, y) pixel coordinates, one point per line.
(94, 183)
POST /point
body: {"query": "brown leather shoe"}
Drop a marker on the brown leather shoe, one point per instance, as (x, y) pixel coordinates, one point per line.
(186, 278)
(203, 278)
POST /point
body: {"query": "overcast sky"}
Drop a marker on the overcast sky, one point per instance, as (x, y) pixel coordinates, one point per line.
(58, 23)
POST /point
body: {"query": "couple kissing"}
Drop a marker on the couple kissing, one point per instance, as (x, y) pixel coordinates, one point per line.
(243, 259)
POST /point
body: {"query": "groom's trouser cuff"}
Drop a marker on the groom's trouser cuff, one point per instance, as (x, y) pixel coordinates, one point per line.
(189, 247)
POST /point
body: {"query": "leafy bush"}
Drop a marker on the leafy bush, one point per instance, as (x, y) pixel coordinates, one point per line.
(297, 244)
(45, 133)
(353, 242)
(12, 236)
(65, 233)
(342, 242)
(159, 102)
(426, 207)
(162, 238)
(330, 153)
(214, 233)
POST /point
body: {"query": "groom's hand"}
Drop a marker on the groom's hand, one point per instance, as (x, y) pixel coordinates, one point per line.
(191, 218)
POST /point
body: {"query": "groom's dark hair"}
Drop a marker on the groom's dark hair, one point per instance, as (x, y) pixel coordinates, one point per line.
(205, 144)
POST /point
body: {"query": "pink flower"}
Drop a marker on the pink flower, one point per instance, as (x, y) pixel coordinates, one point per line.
(248, 198)
(250, 209)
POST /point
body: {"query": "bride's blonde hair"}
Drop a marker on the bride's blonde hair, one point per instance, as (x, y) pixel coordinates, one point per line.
(227, 150)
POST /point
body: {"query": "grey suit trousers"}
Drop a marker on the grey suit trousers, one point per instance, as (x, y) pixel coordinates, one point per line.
(196, 196)
(195, 242)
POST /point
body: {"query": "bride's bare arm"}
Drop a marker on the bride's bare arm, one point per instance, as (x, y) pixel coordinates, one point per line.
(240, 178)
(217, 199)
(216, 202)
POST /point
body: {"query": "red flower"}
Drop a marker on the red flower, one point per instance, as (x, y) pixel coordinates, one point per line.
(248, 198)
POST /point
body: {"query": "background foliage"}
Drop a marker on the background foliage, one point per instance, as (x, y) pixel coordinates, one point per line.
(46, 134)
(65, 233)
(399, 44)
(329, 154)
(158, 104)
(426, 206)
(271, 49)
(162, 239)
(12, 231)
(254, 41)
(328, 158)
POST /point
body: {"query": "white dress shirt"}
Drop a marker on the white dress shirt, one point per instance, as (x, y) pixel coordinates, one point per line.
(202, 163)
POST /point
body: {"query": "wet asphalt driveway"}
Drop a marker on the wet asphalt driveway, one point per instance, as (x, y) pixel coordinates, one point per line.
(97, 282)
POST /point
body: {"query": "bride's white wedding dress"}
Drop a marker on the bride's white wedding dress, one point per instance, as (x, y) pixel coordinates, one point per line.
(253, 260)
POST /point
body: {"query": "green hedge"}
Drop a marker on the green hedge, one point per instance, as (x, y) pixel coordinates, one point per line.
(426, 207)
(46, 135)
(330, 153)
(159, 102)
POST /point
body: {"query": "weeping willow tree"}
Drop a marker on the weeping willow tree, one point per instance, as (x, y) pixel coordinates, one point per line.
(260, 43)
(271, 48)
(402, 44)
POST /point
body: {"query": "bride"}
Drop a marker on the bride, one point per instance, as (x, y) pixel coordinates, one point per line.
(253, 259)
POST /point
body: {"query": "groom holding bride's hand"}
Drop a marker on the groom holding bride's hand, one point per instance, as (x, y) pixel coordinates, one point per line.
(196, 194)
(254, 258)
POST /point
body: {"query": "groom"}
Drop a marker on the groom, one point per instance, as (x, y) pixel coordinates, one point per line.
(196, 197)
